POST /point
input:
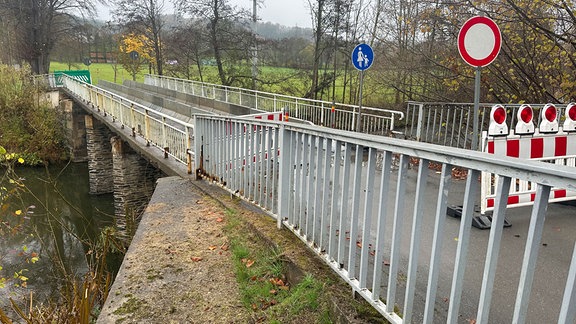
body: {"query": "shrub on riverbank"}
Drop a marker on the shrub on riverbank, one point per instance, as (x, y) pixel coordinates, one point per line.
(28, 126)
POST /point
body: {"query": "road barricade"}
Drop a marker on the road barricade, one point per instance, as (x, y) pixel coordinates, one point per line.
(559, 148)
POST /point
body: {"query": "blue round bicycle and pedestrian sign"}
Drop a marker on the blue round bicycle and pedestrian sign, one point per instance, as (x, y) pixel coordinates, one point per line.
(362, 57)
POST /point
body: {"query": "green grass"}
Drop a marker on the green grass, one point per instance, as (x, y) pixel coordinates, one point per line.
(286, 81)
(99, 71)
(260, 275)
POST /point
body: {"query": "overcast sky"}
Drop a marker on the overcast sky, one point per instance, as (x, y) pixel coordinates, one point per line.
(284, 12)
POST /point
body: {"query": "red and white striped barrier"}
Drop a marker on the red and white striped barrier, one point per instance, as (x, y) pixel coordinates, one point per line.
(559, 148)
(547, 143)
(277, 116)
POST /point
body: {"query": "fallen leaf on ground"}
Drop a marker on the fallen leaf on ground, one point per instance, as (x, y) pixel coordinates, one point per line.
(249, 263)
(196, 259)
(219, 220)
(212, 247)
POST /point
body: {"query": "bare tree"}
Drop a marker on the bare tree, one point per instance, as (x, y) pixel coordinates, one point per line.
(185, 47)
(38, 24)
(227, 33)
(145, 18)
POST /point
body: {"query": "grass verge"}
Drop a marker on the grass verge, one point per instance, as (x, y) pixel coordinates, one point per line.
(261, 273)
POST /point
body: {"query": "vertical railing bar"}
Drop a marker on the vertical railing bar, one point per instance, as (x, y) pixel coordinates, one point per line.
(467, 129)
(207, 146)
(460, 129)
(236, 155)
(318, 181)
(440, 127)
(261, 164)
(303, 184)
(344, 204)
(494, 241)
(267, 133)
(271, 153)
(356, 187)
(440, 220)
(254, 163)
(531, 252)
(568, 308)
(334, 211)
(231, 159)
(453, 127)
(228, 153)
(275, 166)
(463, 242)
(416, 238)
(396, 232)
(367, 226)
(381, 226)
(311, 194)
(325, 226)
(222, 149)
(197, 142)
(428, 124)
(298, 159)
(245, 140)
(285, 170)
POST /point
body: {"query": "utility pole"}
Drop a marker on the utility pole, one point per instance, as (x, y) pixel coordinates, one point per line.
(255, 45)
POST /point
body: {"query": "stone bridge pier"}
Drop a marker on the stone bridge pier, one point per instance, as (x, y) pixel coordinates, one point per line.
(114, 167)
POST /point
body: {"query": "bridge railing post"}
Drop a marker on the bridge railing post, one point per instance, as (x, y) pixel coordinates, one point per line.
(198, 136)
(164, 139)
(284, 170)
(147, 125)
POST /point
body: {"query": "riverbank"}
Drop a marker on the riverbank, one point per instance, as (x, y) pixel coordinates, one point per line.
(182, 266)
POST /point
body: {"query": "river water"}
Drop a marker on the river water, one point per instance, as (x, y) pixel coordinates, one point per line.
(56, 220)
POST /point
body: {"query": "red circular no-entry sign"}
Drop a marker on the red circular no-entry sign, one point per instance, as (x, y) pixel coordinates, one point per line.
(479, 41)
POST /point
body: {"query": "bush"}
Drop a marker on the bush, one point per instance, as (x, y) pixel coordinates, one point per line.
(28, 126)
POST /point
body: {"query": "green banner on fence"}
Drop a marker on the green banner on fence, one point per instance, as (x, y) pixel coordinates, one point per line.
(80, 75)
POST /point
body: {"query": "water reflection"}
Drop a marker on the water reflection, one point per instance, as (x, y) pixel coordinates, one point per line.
(59, 221)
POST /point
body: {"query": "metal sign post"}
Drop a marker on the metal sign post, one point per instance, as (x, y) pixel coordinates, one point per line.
(479, 42)
(362, 59)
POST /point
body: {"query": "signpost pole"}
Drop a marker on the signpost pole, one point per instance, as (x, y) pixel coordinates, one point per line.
(479, 42)
(362, 59)
(476, 109)
(359, 121)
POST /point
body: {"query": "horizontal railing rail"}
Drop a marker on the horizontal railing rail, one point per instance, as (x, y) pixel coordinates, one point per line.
(323, 113)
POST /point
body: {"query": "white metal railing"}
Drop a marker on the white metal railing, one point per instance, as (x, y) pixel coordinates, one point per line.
(46, 80)
(323, 113)
(158, 129)
(358, 204)
(351, 199)
(450, 124)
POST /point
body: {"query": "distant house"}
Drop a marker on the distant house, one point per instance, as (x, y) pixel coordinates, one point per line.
(103, 57)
